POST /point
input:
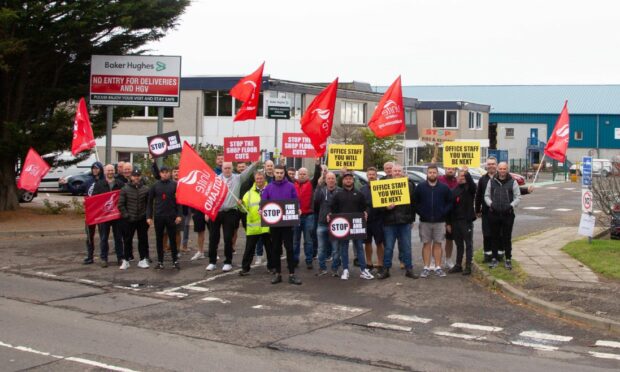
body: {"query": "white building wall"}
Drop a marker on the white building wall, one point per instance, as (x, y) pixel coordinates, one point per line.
(517, 144)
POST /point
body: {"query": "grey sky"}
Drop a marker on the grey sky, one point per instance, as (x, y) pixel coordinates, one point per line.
(427, 42)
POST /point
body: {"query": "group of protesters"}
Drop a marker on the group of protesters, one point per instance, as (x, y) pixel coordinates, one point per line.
(447, 206)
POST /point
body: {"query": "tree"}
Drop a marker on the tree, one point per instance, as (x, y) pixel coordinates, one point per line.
(45, 53)
(378, 151)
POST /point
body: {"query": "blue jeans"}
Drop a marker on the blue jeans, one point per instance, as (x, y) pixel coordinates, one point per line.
(306, 223)
(327, 247)
(358, 248)
(104, 234)
(402, 233)
(259, 247)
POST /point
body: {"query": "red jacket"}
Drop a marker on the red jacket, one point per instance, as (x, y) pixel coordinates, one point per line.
(452, 183)
(304, 193)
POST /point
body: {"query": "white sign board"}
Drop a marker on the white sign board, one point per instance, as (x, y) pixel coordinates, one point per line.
(135, 80)
(586, 225)
(587, 201)
(278, 102)
(617, 133)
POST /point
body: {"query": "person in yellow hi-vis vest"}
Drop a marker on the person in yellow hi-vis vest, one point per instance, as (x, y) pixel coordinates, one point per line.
(254, 231)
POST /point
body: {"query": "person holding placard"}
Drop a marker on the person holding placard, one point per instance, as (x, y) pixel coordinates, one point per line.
(328, 247)
(460, 221)
(449, 179)
(374, 229)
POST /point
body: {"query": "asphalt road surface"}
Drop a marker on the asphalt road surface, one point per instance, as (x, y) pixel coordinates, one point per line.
(56, 314)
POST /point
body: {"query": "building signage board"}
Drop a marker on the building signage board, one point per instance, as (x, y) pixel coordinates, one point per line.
(135, 80)
(278, 108)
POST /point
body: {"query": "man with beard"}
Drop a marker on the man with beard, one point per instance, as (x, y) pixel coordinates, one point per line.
(132, 205)
(481, 209)
(109, 183)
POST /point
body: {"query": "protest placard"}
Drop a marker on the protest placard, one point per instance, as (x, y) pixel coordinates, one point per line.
(391, 191)
(297, 145)
(345, 226)
(345, 156)
(241, 149)
(458, 154)
(164, 144)
(279, 213)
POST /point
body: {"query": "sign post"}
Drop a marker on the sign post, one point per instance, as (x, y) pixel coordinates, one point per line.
(587, 199)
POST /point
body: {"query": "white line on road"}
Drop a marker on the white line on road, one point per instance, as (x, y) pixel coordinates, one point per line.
(173, 294)
(216, 299)
(87, 281)
(129, 288)
(476, 327)
(534, 208)
(606, 343)
(391, 327)
(569, 188)
(545, 336)
(605, 355)
(41, 273)
(562, 210)
(261, 307)
(535, 346)
(97, 364)
(551, 188)
(409, 318)
(348, 309)
(460, 335)
(196, 288)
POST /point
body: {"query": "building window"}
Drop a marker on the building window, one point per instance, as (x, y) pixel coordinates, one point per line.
(149, 112)
(578, 135)
(408, 116)
(352, 113)
(478, 120)
(224, 103)
(472, 120)
(445, 119)
(510, 132)
(210, 98)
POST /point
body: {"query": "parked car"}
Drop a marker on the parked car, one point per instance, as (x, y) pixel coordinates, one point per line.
(600, 167)
(423, 168)
(75, 184)
(416, 177)
(50, 181)
(360, 177)
(25, 196)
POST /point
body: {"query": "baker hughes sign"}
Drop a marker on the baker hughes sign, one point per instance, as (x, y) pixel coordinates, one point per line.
(135, 80)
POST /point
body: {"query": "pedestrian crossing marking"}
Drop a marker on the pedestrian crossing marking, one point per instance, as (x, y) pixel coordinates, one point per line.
(460, 335)
(476, 327)
(604, 355)
(562, 210)
(534, 208)
(535, 345)
(409, 318)
(391, 327)
(545, 336)
(606, 343)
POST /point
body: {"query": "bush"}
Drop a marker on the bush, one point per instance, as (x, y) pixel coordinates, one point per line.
(77, 205)
(54, 207)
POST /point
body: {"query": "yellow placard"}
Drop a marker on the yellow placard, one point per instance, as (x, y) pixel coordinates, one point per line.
(345, 156)
(458, 154)
(391, 191)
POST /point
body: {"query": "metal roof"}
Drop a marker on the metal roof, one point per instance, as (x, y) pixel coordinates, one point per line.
(530, 99)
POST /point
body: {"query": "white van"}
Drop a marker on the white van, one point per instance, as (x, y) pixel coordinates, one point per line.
(50, 181)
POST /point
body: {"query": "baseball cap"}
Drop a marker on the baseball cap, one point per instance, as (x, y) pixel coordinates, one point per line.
(136, 172)
(346, 174)
(164, 168)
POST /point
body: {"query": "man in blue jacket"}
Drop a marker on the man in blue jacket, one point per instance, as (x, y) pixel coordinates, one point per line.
(433, 202)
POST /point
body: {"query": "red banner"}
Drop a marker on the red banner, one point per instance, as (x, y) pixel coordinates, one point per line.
(389, 116)
(558, 143)
(165, 85)
(102, 208)
(247, 90)
(297, 145)
(241, 149)
(33, 171)
(319, 117)
(83, 138)
(198, 186)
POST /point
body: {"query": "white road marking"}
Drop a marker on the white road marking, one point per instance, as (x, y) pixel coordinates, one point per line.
(216, 299)
(87, 281)
(348, 309)
(391, 327)
(535, 346)
(569, 188)
(562, 210)
(409, 318)
(606, 343)
(551, 188)
(604, 355)
(70, 359)
(545, 336)
(261, 307)
(476, 327)
(460, 335)
(41, 273)
(129, 288)
(173, 294)
(196, 288)
(533, 208)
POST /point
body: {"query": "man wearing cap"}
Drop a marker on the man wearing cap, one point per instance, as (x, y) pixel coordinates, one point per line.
(132, 205)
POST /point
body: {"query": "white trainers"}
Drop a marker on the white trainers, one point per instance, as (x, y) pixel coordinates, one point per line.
(125, 265)
(259, 260)
(227, 267)
(365, 274)
(143, 264)
(211, 267)
(197, 256)
(345, 274)
(449, 264)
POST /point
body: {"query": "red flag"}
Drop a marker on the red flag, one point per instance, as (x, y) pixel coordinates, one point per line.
(247, 90)
(558, 143)
(319, 117)
(389, 116)
(102, 208)
(198, 185)
(83, 138)
(33, 171)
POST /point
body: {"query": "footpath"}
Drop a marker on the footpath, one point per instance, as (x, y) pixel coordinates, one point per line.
(560, 285)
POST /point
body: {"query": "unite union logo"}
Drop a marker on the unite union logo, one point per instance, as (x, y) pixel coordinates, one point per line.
(108, 207)
(193, 177)
(562, 131)
(33, 169)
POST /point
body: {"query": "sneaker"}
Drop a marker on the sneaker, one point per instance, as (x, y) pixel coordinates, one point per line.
(131, 258)
(439, 272)
(424, 273)
(244, 272)
(211, 267)
(159, 266)
(143, 264)
(449, 264)
(292, 279)
(259, 260)
(227, 267)
(508, 264)
(356, 262)
(309, 266)
(456, 269)
(383, 273)
(104, 264)
(88, 261)
(124, 265)
(467, 270)
(345, 274)
(432, 267)
(365, 274)
(322, 273)
(493, 264)
(277, 278)
(411, 274)
(177, 265)
(197, 256)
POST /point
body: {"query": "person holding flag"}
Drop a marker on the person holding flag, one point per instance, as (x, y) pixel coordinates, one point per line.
(107, 184)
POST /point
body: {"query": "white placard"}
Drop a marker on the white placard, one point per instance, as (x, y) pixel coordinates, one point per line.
(617, 133)
(586, 225)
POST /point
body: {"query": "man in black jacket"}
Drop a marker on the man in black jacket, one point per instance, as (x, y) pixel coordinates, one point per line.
(374, 226)
(460, 221)
(166, 214)
(107, 184)
(482, 211)
(132, 205)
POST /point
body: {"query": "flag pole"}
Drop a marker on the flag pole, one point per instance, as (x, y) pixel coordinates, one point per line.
(538, 170)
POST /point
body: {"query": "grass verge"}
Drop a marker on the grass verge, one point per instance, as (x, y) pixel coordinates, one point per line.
(515, 276)
(602, 256)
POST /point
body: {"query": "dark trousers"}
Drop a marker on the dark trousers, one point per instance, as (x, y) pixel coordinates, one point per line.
(143, 238)
(226, 220)
(166, 223)
(279, 236)
(486, 236)
(90, 240)
(250, 247)
(501, 226)
(463, 233)
(104, 234)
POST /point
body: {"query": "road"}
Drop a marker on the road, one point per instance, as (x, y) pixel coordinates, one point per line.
(88, 317)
